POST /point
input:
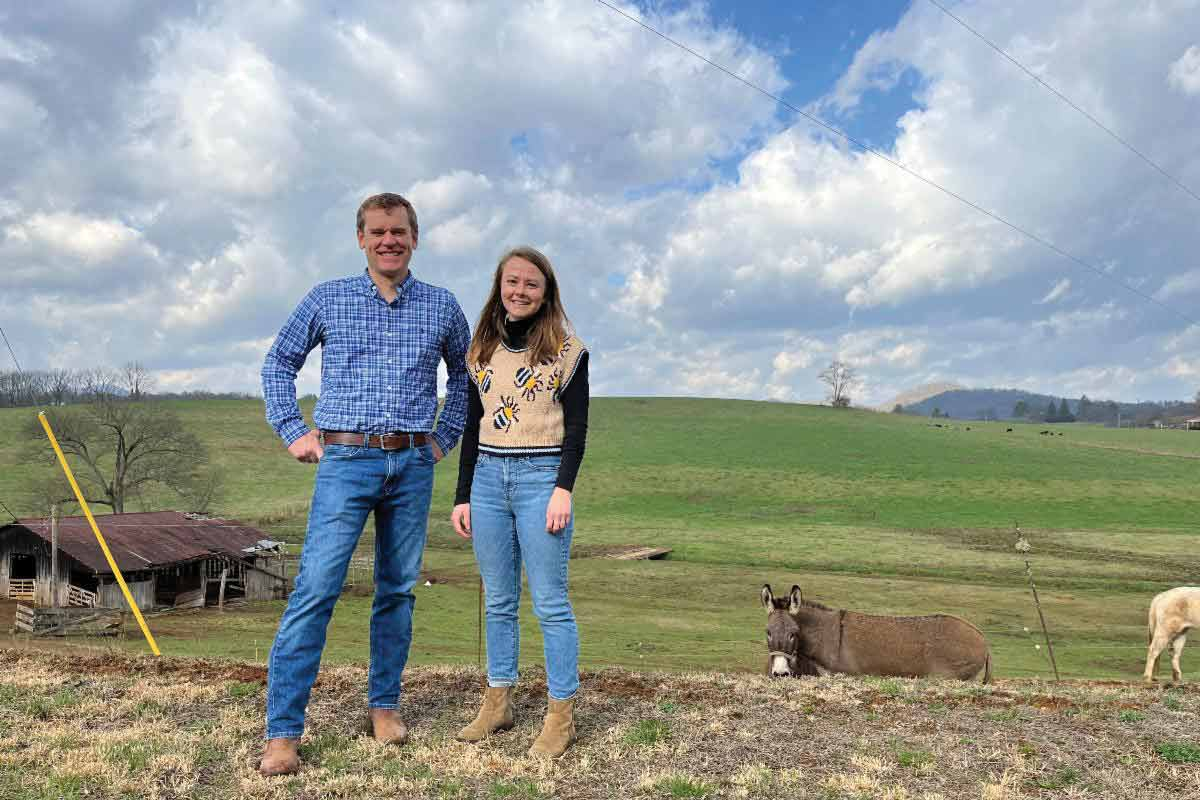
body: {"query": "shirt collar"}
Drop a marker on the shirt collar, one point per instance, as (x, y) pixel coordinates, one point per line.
(367, 286)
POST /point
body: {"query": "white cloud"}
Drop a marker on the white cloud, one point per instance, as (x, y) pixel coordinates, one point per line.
(76, 237)
(449, 193)
(1184, 74)
(1184, 283)
(217, 116)
(1057, 292)
(801, 353)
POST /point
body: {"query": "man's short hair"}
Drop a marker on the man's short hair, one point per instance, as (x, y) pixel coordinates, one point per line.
(387, 201)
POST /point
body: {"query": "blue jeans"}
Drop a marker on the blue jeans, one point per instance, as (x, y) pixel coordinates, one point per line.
(508, 526)
(351, 482)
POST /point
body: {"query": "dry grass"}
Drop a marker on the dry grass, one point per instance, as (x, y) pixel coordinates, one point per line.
(76, 726)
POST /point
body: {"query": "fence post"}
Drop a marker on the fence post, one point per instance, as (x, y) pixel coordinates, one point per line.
(54, 555)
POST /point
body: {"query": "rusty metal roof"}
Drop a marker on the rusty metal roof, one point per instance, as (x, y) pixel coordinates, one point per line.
(145, 540)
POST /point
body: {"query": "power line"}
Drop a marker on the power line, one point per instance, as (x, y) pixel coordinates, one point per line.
(900, 165)
(1066, 100)
(9, 510)
(10, 350)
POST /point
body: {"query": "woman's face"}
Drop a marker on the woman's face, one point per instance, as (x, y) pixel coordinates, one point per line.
(522, 288)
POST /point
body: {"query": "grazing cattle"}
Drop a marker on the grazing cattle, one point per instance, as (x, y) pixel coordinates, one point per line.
(836, 640)
(1172, 614)
(1008, 430)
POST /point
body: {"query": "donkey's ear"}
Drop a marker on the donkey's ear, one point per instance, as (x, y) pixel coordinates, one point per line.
(768, 599)
(795, 599)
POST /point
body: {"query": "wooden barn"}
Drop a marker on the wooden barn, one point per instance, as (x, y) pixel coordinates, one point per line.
(167, 559)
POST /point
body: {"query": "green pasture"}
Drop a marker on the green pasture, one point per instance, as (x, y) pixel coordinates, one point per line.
(876, 512)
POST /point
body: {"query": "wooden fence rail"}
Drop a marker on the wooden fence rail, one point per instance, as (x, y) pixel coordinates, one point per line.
(69, 621)
(77, 596)
(20, 588)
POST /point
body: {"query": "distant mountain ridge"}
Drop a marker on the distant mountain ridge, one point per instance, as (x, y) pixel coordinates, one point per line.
(976, 403)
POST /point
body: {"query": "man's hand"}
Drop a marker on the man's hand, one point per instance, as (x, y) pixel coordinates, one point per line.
(307, 448)
(438, 455)
(460, 518)
(558, 512)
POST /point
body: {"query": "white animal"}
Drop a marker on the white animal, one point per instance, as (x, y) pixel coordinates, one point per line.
(1172, 614)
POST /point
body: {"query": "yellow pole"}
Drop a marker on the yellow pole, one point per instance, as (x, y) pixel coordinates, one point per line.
(96, 530)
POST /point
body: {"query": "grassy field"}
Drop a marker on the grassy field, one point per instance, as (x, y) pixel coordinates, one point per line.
(82, 726)
(876, 512)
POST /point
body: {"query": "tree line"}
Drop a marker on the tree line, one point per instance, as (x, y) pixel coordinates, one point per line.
(62, 387)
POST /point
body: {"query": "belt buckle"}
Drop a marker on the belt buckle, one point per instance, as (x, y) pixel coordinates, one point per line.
(383, 442)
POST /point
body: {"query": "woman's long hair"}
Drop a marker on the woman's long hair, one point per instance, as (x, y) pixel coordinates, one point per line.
(550, 327)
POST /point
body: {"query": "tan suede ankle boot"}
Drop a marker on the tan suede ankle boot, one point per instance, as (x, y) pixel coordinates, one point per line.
(281, 757)
(558, 729)
(496, 714)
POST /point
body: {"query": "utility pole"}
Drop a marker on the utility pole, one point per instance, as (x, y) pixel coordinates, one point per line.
(54, 555)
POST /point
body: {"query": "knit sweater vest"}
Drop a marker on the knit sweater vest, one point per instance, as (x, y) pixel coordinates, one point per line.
(521, 412)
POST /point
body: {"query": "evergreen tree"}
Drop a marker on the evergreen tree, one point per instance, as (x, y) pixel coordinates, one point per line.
(1064, 410)
(1020, 410)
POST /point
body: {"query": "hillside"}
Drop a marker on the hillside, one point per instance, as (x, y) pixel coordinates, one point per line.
(105, 725)
(964, 403)
(876, 512)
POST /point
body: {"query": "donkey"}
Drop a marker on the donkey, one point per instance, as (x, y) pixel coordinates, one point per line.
(1172, 614)
(801, 632)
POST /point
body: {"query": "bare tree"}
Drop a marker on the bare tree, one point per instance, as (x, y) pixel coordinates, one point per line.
(120, 450)
(841, 379)
(136, 380)
(61, 386)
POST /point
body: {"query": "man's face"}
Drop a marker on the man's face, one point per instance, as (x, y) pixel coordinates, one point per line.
(388, 241)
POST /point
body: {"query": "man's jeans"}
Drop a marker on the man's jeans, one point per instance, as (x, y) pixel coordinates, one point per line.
(351, 482)
(508, 525)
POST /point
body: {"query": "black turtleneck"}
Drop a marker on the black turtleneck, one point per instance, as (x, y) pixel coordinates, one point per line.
(574, 401)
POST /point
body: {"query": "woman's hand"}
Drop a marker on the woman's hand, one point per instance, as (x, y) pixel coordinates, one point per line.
(460, 518)
(558, 513)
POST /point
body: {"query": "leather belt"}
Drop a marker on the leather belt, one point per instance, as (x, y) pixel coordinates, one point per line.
(385, 441)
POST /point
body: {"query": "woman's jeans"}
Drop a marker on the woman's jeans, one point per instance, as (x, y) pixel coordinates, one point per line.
(508, 526)
(351, 482)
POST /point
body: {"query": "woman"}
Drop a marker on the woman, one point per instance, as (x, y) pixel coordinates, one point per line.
(521, 450)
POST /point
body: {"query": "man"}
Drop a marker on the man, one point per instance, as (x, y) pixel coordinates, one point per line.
(381, 335)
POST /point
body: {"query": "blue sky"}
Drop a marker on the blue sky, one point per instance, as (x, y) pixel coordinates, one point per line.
(178, 175)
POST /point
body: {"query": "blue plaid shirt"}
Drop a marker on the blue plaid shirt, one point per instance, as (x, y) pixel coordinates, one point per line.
(378, 360)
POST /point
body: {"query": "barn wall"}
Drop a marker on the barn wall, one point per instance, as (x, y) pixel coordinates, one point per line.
(47, 592)
(259, 585)
(110, 595)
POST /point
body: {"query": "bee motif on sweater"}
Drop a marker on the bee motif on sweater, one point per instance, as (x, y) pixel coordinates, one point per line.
(562, 351)
(483, 377)
(554, 384)
(530, 383)
(505, 414)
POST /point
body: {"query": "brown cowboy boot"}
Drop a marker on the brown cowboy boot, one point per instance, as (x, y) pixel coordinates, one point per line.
(387, 727)
(282, 757)
(558, 729)
(496, 714)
